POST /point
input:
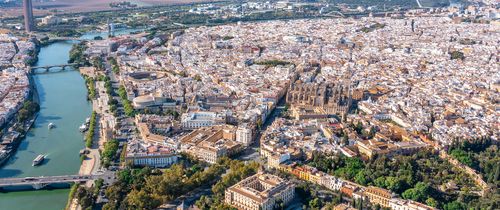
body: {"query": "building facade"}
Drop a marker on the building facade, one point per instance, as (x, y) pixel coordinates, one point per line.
(156, 160)
(194, 120)
(333, 99)
(260, 192)
(244, 135)
(378, 196)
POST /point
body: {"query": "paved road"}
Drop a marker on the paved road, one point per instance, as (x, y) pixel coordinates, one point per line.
(9, 182)
(107, 176)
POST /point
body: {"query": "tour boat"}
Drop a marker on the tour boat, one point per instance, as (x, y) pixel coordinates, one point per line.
(51, 125)
(38, 160)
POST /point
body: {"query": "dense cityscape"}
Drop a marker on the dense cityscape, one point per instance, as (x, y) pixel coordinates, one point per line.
(250, 105)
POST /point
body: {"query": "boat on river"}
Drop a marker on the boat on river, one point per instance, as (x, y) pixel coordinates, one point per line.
(38, 160)
(51, 125)
(83, 128)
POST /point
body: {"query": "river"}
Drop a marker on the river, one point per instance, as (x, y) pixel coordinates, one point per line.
(63, 102)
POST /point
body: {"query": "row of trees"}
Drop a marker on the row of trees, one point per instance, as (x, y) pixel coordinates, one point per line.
(147, 189)
(112, 103)
(127, 105)
(89, 136)
(114, 65)
(98, 63)
(109, 152)
(89, 81)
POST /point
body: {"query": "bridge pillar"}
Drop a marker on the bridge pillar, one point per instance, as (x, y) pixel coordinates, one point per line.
(38, 186)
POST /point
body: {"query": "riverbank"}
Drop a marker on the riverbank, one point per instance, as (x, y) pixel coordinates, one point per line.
(62, 99)
(12, 138)
(15, 130)
(18, 124)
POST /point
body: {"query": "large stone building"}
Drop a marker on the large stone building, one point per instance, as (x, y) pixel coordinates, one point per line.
(260, 192)
(332, 98)
(139, 154)
(211, 143)
(378, 196)
(401, 204)
(193, 120)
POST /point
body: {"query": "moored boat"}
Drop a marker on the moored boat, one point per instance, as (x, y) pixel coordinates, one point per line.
(83, 128)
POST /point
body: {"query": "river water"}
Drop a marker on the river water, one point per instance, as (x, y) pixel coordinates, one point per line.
(63, 102)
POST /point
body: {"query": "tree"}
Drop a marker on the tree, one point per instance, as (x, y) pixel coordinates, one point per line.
(431, 202)
(85, 197)
(455, 205)
(28, 109)
(394, 184)
(419, 193)
(457, 55)
(76, 54)
(361, 178)
(259, 123)
(142, 200)
(109, 153)
(204, 202)
(315, 203)
(197, 78)
(380, 182)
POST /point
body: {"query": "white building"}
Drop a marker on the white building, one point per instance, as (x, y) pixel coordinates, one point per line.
(140, 154)
(244, 135)
(51, 20)
(195, 120)
(401, 204)
(157, 160)
(331, 182)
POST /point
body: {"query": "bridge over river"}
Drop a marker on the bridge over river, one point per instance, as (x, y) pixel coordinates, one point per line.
(46, 69)
(43, 181)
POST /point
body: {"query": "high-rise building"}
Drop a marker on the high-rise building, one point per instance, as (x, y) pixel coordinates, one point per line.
(28, 15)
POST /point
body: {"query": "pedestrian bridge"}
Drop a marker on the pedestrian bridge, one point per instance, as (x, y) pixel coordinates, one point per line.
(43, 181)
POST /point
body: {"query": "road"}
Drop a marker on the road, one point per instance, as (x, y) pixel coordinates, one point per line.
(43, 180)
